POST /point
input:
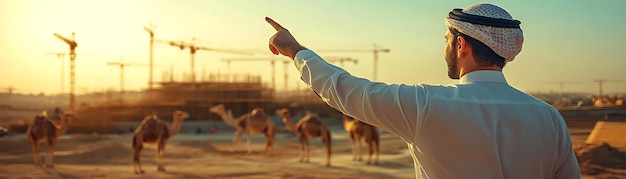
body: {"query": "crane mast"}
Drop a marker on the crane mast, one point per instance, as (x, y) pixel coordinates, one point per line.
(72, 45)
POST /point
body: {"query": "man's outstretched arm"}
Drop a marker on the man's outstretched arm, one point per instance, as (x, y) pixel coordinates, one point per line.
(395, 108)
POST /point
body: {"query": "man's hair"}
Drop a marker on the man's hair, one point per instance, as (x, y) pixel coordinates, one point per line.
(483, 55)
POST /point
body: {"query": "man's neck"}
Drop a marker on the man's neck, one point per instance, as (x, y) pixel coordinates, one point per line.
(464, 71)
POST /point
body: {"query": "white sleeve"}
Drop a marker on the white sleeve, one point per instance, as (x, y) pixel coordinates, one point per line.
(394, 108)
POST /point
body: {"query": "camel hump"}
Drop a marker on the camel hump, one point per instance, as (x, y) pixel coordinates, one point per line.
(152, 121)
(314, 118)
(151, 124)
(40, 119)
(316, 121)
(309, 119)
(258, 114)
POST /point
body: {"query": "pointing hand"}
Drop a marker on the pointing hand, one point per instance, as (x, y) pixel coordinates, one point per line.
(283, 42)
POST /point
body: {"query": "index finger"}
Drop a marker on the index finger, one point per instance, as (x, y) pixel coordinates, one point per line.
(276, 26)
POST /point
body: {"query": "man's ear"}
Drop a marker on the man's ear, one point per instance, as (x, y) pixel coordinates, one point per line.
(463, 48)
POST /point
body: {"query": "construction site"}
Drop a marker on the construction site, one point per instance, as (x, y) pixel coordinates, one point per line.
(99, 111)
(239, 91)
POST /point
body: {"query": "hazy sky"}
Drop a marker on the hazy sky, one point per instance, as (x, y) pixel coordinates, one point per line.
(570, 40)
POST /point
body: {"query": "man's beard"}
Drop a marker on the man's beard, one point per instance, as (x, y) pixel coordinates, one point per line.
(451, 60)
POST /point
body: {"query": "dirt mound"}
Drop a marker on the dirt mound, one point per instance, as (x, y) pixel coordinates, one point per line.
(597, 158)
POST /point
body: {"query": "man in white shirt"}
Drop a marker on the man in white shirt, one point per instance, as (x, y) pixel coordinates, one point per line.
(479, 128)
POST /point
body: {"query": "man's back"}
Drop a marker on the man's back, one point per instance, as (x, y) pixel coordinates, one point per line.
(484, 128)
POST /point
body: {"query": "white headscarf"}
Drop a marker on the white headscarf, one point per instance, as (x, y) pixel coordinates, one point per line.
(506, 42)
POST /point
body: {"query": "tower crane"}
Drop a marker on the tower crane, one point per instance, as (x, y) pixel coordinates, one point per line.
(122, 65)
(61, 56)
(375, 50)
(150, 31)
(9, 90)
(600, 84)
(182, 45)
(272, 61)
(72, 45)
(561, 83)
(193, 48)
(601, 100)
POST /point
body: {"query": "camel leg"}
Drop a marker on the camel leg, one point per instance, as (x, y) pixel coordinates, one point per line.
(36, 155)
(137, 146)
(370, 146)
(269, 139)
(326, 138)
(369, 138)
(249, 141)
(307, 148)
(160, 152)
(358, 148)
(35, 146)
(237, 140)
(49, 152)
(353, 140)
(377, 147)
(302, 149)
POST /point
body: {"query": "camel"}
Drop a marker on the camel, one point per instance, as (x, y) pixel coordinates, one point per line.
(359, 130)
(309, 126)
(255, 122)
(42, 129)
(154, 130)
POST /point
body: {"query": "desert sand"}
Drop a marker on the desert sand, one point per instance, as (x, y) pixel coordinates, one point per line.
(204, 155)
(211, 155)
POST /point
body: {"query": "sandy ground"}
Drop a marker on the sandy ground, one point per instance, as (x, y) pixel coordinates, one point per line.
(202, 156)
(209, 156)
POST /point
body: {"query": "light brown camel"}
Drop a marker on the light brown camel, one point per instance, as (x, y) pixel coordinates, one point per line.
(309, 126)
(255, 122)
(359, 130)
(42, 129)
(154, 130)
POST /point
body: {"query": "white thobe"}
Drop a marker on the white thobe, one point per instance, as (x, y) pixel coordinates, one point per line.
(480, 128)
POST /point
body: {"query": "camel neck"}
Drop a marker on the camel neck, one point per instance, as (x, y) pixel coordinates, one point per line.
(62, 129)
(289, 124)
(227, 116)
(175, 128)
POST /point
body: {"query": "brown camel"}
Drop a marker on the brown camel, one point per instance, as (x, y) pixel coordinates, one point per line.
(42, 129)
(359, 130)
(255, 122)
(154, 130)
(309, 126)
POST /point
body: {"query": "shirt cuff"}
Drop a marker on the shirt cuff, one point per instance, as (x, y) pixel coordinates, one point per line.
(302, 56)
